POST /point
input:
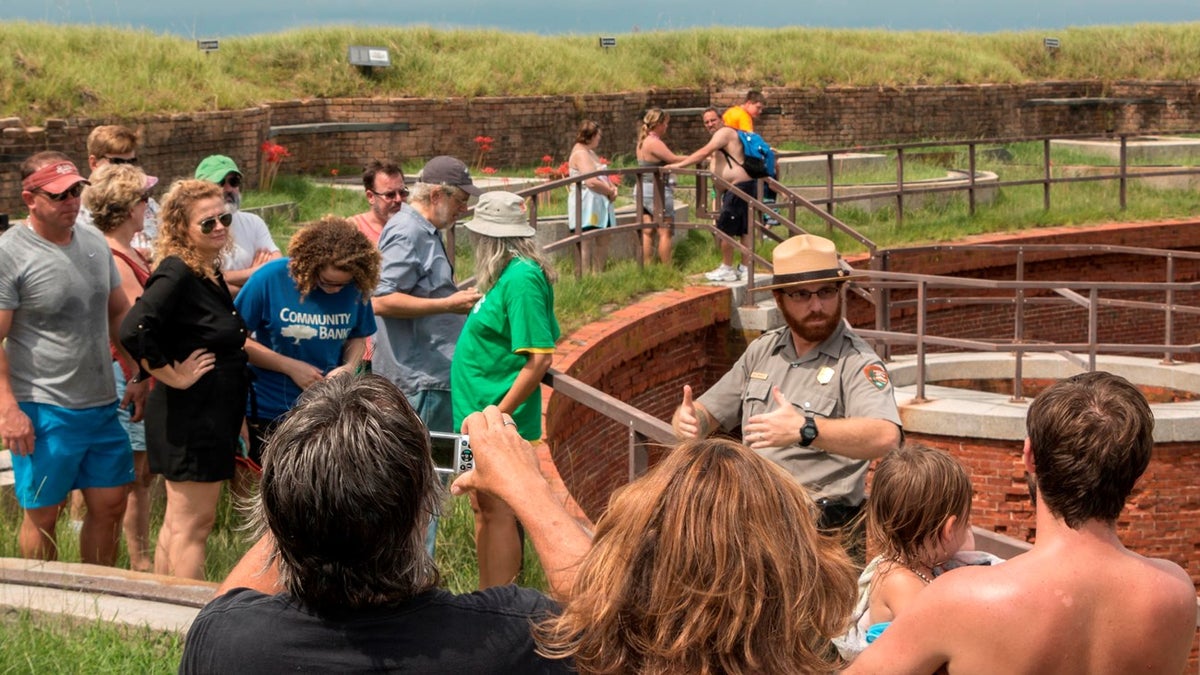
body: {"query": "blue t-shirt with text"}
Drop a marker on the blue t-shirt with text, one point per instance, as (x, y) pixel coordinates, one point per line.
(314, 330)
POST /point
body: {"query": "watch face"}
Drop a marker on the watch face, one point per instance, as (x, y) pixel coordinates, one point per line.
(809, 432)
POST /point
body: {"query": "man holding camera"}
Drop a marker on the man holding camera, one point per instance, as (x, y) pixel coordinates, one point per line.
(341, 581)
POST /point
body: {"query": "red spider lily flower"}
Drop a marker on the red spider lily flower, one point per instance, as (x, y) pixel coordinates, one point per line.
(333, 172)
(274, 153)
(547, 159)
(489, 170)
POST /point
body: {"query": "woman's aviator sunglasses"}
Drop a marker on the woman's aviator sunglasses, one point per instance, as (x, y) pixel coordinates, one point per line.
(210, 223)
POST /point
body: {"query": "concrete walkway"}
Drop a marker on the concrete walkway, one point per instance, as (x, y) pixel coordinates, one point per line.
(96, 592)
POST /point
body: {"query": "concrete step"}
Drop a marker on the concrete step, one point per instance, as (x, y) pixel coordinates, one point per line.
(93, 592)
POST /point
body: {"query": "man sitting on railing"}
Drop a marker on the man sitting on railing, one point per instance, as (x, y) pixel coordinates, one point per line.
(811, 395)
(1078, 601)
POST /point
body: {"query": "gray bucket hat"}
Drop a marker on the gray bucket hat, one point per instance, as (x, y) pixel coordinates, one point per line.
(501, 214)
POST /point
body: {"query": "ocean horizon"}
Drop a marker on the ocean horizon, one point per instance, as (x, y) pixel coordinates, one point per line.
(221, 18)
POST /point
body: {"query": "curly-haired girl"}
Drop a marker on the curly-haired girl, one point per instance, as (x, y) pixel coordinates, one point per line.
(310, 315)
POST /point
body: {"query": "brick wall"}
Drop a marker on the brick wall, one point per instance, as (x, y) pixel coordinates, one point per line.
(1059, 322)
(172, 145)
(526, 128)
(643, 355)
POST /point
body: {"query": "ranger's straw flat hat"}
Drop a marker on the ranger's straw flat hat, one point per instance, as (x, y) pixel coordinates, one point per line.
(807, 259)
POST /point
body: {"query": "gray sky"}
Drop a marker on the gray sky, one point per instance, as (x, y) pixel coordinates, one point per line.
(237, 17)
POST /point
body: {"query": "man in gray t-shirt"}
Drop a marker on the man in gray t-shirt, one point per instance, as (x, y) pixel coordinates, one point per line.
(60, 301)
(420, 310)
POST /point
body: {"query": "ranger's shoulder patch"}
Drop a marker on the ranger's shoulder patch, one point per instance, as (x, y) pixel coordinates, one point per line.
(877, 375)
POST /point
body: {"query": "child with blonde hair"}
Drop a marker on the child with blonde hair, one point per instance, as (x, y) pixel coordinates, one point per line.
(919, 525)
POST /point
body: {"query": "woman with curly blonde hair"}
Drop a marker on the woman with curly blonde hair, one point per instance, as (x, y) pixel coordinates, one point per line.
(186, 333)
(310, 316)
(711, 563)
(117, 199)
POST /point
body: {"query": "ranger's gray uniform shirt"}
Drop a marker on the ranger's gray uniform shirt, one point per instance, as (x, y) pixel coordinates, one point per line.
(841, 377)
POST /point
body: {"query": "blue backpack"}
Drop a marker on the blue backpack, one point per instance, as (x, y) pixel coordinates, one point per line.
(759, 159)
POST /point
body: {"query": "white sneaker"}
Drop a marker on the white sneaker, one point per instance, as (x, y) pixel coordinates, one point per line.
(741, 271)
(722, 273)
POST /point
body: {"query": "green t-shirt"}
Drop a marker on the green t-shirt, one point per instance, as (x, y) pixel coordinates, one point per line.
(515, 317)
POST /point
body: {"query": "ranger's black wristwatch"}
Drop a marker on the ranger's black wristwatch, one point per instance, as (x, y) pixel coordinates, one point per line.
(808, 432)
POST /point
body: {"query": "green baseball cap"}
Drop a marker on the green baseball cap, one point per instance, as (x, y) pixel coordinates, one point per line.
(215, 168)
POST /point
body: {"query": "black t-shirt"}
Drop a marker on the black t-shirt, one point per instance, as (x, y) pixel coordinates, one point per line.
(487, 631)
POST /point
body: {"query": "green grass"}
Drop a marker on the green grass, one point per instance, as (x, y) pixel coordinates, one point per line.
(35, 643)
(136, 72)
(455, 552)
(1014, 209)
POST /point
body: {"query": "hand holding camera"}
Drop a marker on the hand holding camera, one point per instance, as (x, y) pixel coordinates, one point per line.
(505, 465)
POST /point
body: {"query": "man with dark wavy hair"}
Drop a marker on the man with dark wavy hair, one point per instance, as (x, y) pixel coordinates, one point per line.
(341, 580)
(1078, 601)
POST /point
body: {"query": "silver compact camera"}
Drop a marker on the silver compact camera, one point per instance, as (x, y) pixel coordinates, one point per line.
(451, 452)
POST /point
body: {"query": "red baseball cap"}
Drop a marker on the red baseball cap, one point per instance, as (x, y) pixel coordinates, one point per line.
(53, 178)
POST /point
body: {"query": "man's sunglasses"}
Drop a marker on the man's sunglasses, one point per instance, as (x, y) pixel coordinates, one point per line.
(801, 294)
(122, 160)
(210, 223)
(72, 192)
(232, 180)
(392, 196)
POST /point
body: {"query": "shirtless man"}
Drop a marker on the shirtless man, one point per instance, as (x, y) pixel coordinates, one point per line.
(735, 212)
(1079, 601)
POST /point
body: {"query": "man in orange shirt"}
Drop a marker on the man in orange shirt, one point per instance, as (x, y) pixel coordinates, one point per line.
(742, 116)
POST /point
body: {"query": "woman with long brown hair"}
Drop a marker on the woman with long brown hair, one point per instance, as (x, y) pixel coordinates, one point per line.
(710, 563)
(595, 195)
(185, 332)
